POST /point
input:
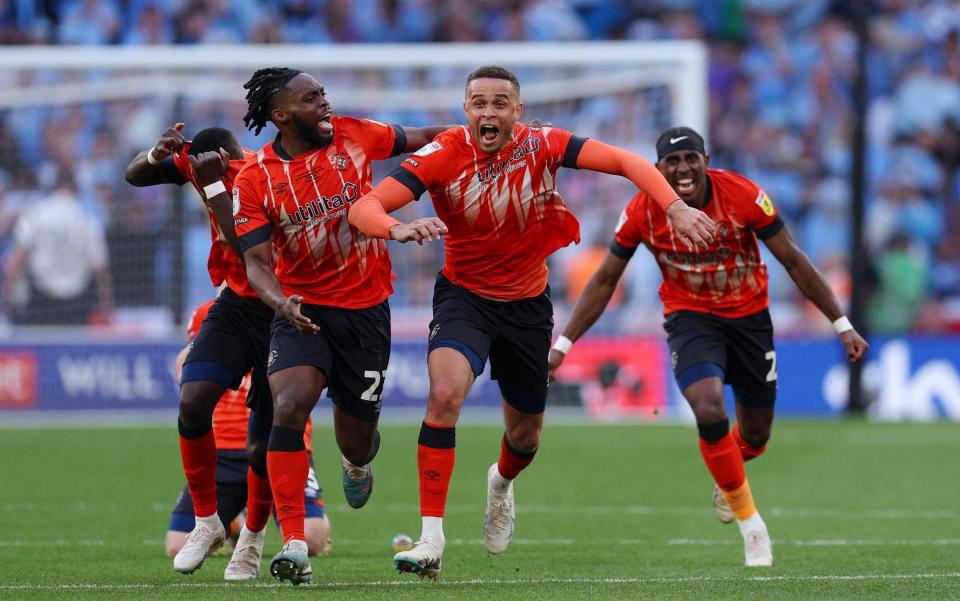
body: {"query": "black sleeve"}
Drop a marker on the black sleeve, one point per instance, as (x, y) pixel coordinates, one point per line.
(619, 250)
(400, 141)
(254, 237)
(170, 172)
(408, 179)
(574, 146)
(769, 231)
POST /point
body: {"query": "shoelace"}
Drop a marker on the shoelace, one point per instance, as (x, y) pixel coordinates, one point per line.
(500, 514)
(357, 473)
(195, 538)
(249, 554)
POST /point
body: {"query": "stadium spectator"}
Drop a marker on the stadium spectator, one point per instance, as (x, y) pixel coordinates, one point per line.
(780, 81)
(60, 258)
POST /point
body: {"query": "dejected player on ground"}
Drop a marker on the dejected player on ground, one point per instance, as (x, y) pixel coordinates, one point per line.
(231, 419)
(717, 320)
(493, 185)
(233, 340)
(330, 287)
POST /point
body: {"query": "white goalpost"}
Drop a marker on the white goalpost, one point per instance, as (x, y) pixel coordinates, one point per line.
(213, 72)
(87, 110)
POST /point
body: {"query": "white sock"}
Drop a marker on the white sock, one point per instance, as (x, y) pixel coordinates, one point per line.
(296, 545)
(498, 483)
(432, 530)
(210, 521)
(754, 522)
(250, 533)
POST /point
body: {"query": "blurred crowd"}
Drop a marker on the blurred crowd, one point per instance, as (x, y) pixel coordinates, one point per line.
(781, 112)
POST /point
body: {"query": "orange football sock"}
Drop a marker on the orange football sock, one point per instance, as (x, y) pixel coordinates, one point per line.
(199, 457)
(259, 501)
(724, 462)
(436, 455)
(511, 462)
(747, 451)
(740, 501)
(288, 471)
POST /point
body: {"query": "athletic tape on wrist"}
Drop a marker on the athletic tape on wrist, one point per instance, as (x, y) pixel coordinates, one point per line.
(562, 344)
(152, 158)
(842, 324)
(211, 190)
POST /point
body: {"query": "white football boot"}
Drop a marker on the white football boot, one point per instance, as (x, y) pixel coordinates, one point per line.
(206, 537)
(757, 548)
(247, 554)
(721, 506)
(500, 519)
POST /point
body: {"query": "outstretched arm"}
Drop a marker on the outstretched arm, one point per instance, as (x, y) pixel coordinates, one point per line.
(590, 306)
(259, 261)
(813, 285)
(418, 137)
(369, 215)
(145, 168)
(692, 226)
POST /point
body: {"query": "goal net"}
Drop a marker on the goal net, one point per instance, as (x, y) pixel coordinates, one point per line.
(78, 115)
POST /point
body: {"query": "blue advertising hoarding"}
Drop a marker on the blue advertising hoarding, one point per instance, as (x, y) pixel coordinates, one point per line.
(908, 378)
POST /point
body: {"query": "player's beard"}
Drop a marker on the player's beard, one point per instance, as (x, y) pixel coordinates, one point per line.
(308, 131)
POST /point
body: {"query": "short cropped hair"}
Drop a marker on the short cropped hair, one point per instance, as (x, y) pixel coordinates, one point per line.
(213, 138)
(494, 72)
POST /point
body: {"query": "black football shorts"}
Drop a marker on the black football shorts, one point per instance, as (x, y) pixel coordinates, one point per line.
(738, 350)
(352, 349)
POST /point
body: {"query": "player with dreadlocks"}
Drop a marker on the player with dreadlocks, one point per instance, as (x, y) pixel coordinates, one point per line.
(329, 288)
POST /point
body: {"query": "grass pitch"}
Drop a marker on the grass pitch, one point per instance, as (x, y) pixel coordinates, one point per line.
(856, 511)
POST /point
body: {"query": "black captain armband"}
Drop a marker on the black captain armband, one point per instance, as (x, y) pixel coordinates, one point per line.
(621, 251)
(399, 141)
(574, 146)
(770, 230)
(254, 237)
(408, 179)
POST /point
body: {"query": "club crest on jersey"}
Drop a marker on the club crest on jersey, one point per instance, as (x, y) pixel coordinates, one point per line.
(236, 201)
(765, 204)
(674, 359)
(339, 161)
(271, 358)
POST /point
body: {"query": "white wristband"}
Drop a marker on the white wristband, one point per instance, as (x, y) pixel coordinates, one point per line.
(152, 158)
(211, 190)
(562, 344)
(842, 324)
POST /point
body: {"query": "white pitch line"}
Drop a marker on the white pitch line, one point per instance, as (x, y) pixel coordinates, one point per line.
(592, 510)
(495, 581)
(556, 542)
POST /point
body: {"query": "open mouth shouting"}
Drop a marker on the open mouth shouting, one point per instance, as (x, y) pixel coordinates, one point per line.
(489, 134)
(325, 125)
(685, 186)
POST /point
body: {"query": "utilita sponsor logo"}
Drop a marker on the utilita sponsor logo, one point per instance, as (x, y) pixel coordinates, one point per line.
(319, 207)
